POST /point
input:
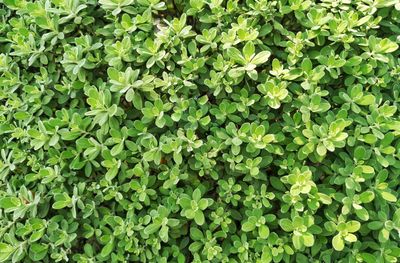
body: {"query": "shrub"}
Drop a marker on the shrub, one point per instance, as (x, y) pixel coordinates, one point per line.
(199, 131)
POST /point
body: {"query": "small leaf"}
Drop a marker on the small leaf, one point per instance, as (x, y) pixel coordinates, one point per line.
(388, 196)
(263, 231)
(248, 226)
(199, 217)
(261, 57)
(111, 173)
(5, 251)
(195, 233)
(235, 54)
(286, 225)
(196, 195)
(308, 239)
(367, 197)
(107, 249)
(362, 214)
(8, 203)
(152, 228)
(37, 251)
(337, 243)
(164, 234)
(248, 51)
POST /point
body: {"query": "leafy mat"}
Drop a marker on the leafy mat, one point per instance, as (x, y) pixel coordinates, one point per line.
(199, 131)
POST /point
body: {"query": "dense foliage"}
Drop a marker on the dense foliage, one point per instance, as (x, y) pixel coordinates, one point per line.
(199, 131)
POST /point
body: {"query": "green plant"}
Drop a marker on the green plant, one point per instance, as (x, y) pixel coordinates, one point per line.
(199, 131)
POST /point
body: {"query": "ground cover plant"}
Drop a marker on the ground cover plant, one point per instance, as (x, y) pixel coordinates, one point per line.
(199, 131)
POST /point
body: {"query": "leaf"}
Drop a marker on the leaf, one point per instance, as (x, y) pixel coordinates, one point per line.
(385, 3)
(306, 65)
(297, 242)
(164, 234)
(308, 239)
(111, 173)
(367, 169)
(366, 100)
(199, 217)
(152, 228)
(196, 195)
(235, 54)
(353, 226)
(350, 238)
(37, 251)
(5, 251)
(387, 46)
(248, 226)
(368, 258)
(117, 149)
(337, 243)
(113, 74)
(60, 205)
(375, 225)
(286, 225)
(107, 249)
(388, 196)
(196, 234)
(185, 202)
(321, 150)
(10, 203)
(261, 57)
(367, 196)
(203, 204)
(248, 51)
(263, 231)
(360, 152)
(362, 214)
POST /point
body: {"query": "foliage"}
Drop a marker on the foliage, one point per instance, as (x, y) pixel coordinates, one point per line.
(199, 131)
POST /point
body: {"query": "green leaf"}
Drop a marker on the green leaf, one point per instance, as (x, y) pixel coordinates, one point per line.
(185, 203)
(388, 196)
(10, 203)
(360, 152)
(248, 51)
(367, 169)
(366, 100)
(388, 46)
(248, 226)
(297, 241)
(111, 173)
(263, 231)
(199, 217)
(152, 228)
(308, 240)
(37, 251)
(261, 57)
(196, 195)
(164, 234)
(60, 205)
(203, 204)
(5, 251)
(375, 225)
(117, 149)
(286, 225)
(107, 249)
(367, 196)
(196, 234)
(385, 3)
(235, 54)
(362, 214)
(353, 226)
(337, 243)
